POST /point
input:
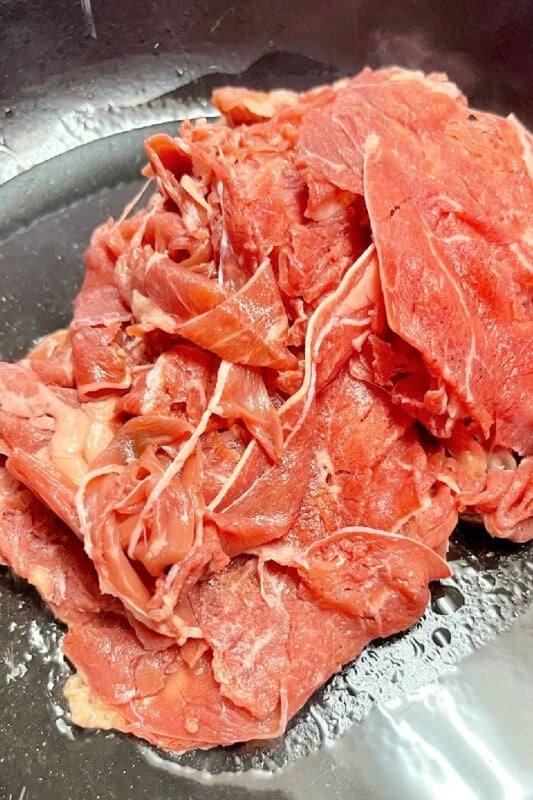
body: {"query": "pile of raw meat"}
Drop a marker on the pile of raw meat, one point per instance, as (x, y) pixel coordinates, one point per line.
(284, 379)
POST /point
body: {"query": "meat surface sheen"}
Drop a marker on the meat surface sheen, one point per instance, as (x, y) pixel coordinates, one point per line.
(285, 379)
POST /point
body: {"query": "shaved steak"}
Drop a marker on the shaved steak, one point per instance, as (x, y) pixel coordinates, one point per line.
(285, 379)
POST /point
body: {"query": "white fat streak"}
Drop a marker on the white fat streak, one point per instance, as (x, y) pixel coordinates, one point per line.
(173, 571)
(286, 555)
(526, 141)
(199, 529)
(271, 594)
(137, 237)
(131, 205)
(154, 379)
(354, 323)
(445, 478)
(260, 642)
(273, 600)
(456, 237)
(310, 396)
(154, 258)
(185, 631)
(309, 380)
(356, 299)
(224, 241)
(524, 260)
(183, 454)
(326, 209)
(342, 533)
(190, 186)
(454, 205)
(234, 475)
(98, 386)
(86, 711)
(81, 508)
(398, 525)
(142, 306)
(457, 289)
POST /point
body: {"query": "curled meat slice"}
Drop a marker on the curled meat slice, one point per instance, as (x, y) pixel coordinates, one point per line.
(373, 574)
(244, 105)
(245, 397)
(250, 327)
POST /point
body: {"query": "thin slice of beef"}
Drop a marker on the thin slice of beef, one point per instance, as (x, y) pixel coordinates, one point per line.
(285, 378)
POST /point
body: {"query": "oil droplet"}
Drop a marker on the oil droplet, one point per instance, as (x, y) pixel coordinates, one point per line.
(519, 591)
(320, 723)
(441, 637)
(418, 648)
(446, 599)
(487, 582)
(397, 676)
(349, 681)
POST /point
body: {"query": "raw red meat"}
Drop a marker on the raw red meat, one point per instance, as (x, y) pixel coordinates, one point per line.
(284, 380)
(241, 680)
